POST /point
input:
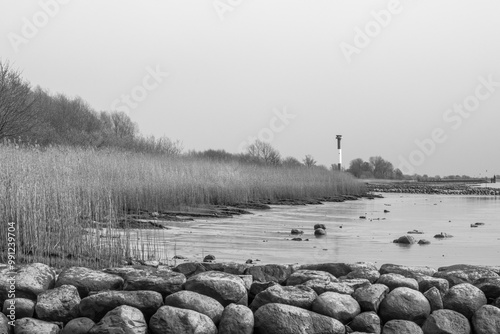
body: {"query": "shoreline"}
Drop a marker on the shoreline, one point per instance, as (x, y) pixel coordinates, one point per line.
(431, 188)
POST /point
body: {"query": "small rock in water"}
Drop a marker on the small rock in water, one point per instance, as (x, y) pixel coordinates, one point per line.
(249, 261)
(209, 258)
(319, 231)
(296, 231)
(320, 226)
(297, 239)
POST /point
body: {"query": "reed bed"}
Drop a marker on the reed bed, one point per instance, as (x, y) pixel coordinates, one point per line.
(66, 202)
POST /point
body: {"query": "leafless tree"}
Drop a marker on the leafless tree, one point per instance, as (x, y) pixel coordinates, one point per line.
(18, 104)
(309, 161)
(264, 152)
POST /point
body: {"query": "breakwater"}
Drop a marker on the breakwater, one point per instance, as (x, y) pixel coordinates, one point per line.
(432, 188)
(234, 298)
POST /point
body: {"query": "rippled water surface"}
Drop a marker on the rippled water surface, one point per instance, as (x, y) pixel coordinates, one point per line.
(265, 234)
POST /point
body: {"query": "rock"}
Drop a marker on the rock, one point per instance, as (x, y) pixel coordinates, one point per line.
(190, 269)
(338, 306)
(170, 319)
(270, 273)
(299, 296)
(446, 321)
(321, 286)
(424, 242)
(486, 320)
(287, 319)
(302, 275)
(5, 328)
(209, 258)
(369, 298)
(197, 302)
(247, 281)
(434, 297)
(7, 283)
(356, 283)
(296, 231)
(23, 308)
(236, 319)
(96, 306)
(495, 269)
(490, 287)
(31, 326)
(464, 298)
(59, 304)
(371, 275)
(258, 287)
(405, 239)
(78, 326)
(226, 267)
(443, 235)
(455, 277)
(368, 322)
(322, 226)
(336, 269)
(406, 271)
(87, 280)
(319, 232)
(138, 270)
(405, 304)
(165, 283)
(123, 319)
(401, 327)
(426, 282)
(225, 288)
(497, 302)
(33, 279)
(393, 281)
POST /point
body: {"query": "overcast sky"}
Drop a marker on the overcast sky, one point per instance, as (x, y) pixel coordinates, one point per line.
(416, 82)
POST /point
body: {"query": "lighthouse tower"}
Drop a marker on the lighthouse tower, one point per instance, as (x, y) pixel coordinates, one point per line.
(339, 138)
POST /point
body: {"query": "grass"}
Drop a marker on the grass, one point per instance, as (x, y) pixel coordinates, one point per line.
(56, 195)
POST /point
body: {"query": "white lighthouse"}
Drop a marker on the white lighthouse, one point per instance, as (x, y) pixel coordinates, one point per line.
(339, 138)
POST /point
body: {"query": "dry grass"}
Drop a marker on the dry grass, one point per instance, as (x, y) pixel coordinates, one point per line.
(56, 195)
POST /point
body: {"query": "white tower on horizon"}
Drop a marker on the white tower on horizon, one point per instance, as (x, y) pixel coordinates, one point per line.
(339, 138)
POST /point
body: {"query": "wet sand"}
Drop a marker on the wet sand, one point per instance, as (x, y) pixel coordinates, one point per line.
(265, 235)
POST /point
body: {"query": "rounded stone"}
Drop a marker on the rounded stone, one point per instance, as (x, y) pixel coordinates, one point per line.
(405, 304)
(236, 319)
(338, 306)
(170, 319)
(464, 298)
(446, 322)
(486, 320)
(197, 302)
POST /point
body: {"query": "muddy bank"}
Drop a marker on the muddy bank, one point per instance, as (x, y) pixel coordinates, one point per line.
(229, 298)
(432, 188)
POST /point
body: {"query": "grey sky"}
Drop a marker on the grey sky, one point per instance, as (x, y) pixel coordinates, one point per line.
(233, 67)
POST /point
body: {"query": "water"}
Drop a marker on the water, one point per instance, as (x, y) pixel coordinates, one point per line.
(265, 235)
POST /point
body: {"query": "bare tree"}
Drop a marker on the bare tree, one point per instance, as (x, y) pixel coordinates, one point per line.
(264, 152)
(18, 104)
(309, 161)
(292, 162)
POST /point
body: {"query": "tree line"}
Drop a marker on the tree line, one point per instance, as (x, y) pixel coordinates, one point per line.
(376, 167)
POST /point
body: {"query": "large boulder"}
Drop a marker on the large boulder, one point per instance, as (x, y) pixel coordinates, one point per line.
(446, 322)
(464, 298)
(21, 307)
(278, 273)
(7, 283)
(96, 306)
(170, 319)
(32, 326)
(299, 296)
(165, 282)
(87, 280)
(258, 287)
(78, 326)
(371, 275)
(197, 302)
(486, 320)
(406, 271)
(33, 279)
(123, 319)
(356, 283)
(434, 297)
(401, 327)
(368, 322)
(405, 239)
(226, 267)
(5, 328)
(336, 269)
(338, 306)
(189, 269)
(405, 304)
(393, 281)
(490, 286)
(369, 298)
(59, 304)
(223, 287)
(426, 282)
(321, 286)
(455, 277)
(236, 319)
(286, 319)
(302, 275)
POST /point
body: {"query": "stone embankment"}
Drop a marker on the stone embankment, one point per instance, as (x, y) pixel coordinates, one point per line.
(231, 298)
(432, 188)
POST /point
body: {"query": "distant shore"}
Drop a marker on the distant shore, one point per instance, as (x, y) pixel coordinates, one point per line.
(443, 188)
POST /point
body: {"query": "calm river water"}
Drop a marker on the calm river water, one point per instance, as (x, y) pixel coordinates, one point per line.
(265, 235)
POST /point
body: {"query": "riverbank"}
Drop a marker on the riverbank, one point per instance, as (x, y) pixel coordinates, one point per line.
(441, 188)
(229, 298)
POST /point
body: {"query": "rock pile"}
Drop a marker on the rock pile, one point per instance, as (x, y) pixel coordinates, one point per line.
(230, 298)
